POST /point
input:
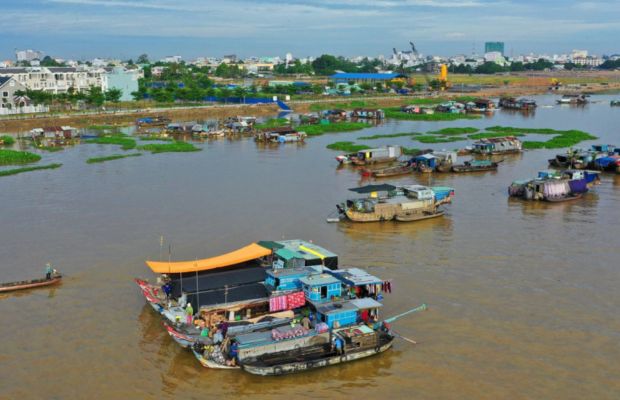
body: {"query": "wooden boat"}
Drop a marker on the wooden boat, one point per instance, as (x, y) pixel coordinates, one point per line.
(415, 215)
(405, 204)
(392, 171)
(567, 197)
(359, 342)
(31, 284)
(475, 166)
(207, 363)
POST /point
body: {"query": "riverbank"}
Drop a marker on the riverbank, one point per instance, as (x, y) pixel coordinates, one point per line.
(513, 85)
(128, 117)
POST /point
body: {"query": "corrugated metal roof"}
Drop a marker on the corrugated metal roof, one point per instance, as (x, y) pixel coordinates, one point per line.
(365, 303)
(363, 75)
(323, 279)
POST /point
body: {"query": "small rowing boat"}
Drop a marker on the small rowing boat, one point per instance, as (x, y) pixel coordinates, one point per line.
(391, 171)
(31, 284)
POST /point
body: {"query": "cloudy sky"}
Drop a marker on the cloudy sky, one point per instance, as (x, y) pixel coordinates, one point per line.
(125, 28)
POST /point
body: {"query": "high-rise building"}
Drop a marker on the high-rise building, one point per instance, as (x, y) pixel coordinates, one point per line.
(490, 47)
(28, 55)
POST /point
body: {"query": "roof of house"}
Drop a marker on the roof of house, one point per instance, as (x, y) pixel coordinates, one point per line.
(4, 79)
(363, 75)
(319, 280)
(12, 71)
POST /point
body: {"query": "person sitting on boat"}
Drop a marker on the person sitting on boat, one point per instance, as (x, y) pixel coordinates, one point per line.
(48, 271)
(305, 322)
(218, 337)
(189, 312)
(223, 328)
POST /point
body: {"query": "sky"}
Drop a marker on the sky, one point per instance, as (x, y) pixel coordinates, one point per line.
(84, 29)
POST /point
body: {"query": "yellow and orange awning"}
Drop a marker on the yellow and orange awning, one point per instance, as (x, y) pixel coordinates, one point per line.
(247, 253)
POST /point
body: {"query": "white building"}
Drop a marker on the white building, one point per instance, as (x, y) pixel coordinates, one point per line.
(579, 54)
(172, 59)
(56, 79)
(590, 61)
(28, 55)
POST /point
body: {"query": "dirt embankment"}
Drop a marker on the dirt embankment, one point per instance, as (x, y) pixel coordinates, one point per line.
(124, 118)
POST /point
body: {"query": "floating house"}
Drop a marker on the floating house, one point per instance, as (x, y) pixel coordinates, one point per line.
(501, 145)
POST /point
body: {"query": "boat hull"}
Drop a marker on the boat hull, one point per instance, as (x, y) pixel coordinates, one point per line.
(294, 367)
(32, 284)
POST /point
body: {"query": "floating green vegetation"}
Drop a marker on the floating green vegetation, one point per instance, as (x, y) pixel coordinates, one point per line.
(396, 113)
(437, 139)
(319, 129)
(16, 171)
(390, 135)
(562, 139)
(411, 151)
(95, 160)
(173, 147)
(454, 131)
(6, 140)
(487, 135)
(14, 157)
(119, 139)
(156, 138)
(51, 149)
(348, 147)
(347, 106)
(273, 123)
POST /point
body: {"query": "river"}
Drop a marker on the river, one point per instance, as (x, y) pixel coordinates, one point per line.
(523, 297)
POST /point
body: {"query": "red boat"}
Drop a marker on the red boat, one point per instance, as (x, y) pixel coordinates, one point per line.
(33, 283)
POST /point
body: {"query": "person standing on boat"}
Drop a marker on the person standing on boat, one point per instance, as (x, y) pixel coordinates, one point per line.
(48, 271)
(338, 345)
(189, 311)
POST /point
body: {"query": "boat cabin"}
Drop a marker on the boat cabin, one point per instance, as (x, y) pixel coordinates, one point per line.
(299, 253)
(360, 283)
(288, 279)
(603, 148)
(344, 313)
(321, 288)
(380, 153)
(368, 113)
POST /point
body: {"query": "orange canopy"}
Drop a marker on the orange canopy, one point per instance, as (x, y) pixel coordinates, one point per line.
(247, 253)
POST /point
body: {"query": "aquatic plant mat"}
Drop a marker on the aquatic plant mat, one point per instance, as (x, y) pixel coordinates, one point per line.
(95, 160)
(125, 142)
(16, 171)
(319, 129)
(389, 135)
(173, 147)
(273, 123)
(396, 113)
(348, 147)
(6, 140)
(561, 139)
(14, 157)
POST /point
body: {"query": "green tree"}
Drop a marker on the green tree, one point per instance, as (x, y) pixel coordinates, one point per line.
(143, 59)
(95, 96)
(114, 95)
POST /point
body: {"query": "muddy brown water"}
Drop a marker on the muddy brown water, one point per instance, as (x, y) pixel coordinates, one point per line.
(523, 297)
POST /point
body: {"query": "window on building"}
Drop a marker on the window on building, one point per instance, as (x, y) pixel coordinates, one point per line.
(5, 94)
